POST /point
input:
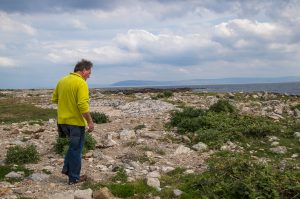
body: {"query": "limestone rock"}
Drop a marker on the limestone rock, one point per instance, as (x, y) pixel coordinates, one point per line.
(279, 149)
(39, 176)
(127, 134)
(297, 134)
(200, 147)
(103, 193)
(83, 194)
(177, 193)
(14, 174)
(62, 195)
(153, 182)
(182, 150)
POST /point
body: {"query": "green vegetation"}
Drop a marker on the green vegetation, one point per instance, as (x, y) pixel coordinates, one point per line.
(139, 127)
(13, 110)
(233, 175)
(165, 94)
(9, 168)
(62, 144)
(22, 155)
(237, 175)
(137, 189)
(121, 176)
(99, 118)
(222, 106)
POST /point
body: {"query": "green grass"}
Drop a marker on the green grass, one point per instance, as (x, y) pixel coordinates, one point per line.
(62, 144)
(237, 175)
(120, 176)
(99, 118)
(22, 155)
(139, 127)
(9, 168)
(12, 110)
(136, 189)
(233, 176)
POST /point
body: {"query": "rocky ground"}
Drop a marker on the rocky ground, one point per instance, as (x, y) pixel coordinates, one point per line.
(145, 153)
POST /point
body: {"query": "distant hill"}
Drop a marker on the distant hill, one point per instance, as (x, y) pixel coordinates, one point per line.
(251, 80)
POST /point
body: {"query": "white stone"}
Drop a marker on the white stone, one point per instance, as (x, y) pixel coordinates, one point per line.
(62, 195)
(14, 174)
(273, 138)
(153, 174)
(297, 134)
(279, 150)
(83, 194)
(39, 177)
(274, 143)
(182, 150)
(127, 134)
(153, 182)
(200, 147)
(177, 193)
(295, 155)
(167, 169)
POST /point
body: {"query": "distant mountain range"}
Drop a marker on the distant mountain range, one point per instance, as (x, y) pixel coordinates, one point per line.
(251, 80)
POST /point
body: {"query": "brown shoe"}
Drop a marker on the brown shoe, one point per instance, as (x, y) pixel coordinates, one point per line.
(81, 179)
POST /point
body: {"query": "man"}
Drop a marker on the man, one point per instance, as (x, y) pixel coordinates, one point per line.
(72, 96)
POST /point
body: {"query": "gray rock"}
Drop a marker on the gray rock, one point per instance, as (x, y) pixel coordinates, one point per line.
(167, 169)
(297, 113)
(182, 150)
(273, 138)
(151, 135)
(39, 177)
(230, 146)
(279, 149)
(200, 147)
(62, 195)
(127, 134)
(153, 182)
(177, 193)
(103, 193)
(13, 174)
(295, 155)
(83, 194)
(274, 143)
(297, 134)
(153, 174)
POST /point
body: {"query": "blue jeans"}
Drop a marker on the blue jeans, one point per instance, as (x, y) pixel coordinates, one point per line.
(72, 163)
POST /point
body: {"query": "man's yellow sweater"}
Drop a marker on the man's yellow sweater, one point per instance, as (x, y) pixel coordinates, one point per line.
(72, 96)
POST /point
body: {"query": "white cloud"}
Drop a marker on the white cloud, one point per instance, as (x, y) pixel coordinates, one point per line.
(246, 28)
(7, 62)
(78, 24)
(9, 25)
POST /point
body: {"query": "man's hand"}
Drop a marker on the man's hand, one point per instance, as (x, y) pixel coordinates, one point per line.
(89, 120)
(90, 127)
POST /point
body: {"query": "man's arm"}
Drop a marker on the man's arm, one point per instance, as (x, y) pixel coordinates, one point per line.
(88, 118)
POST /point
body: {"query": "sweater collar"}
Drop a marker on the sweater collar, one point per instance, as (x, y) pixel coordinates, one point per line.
(76, 74)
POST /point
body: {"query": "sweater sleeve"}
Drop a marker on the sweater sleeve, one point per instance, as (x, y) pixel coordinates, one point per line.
(55, 96)
(83, 98)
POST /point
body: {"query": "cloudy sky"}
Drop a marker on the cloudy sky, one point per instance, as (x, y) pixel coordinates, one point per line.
(41, 40)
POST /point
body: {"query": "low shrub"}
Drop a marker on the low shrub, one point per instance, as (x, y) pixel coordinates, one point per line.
(14, 111)
(9, 168)
(233, 175)
(22, 155)
(62, 144)
(121, 176)
(99, 118)
(222, 106)
(139, 127)
(165, 94)
(187, 112)
(138, 189)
